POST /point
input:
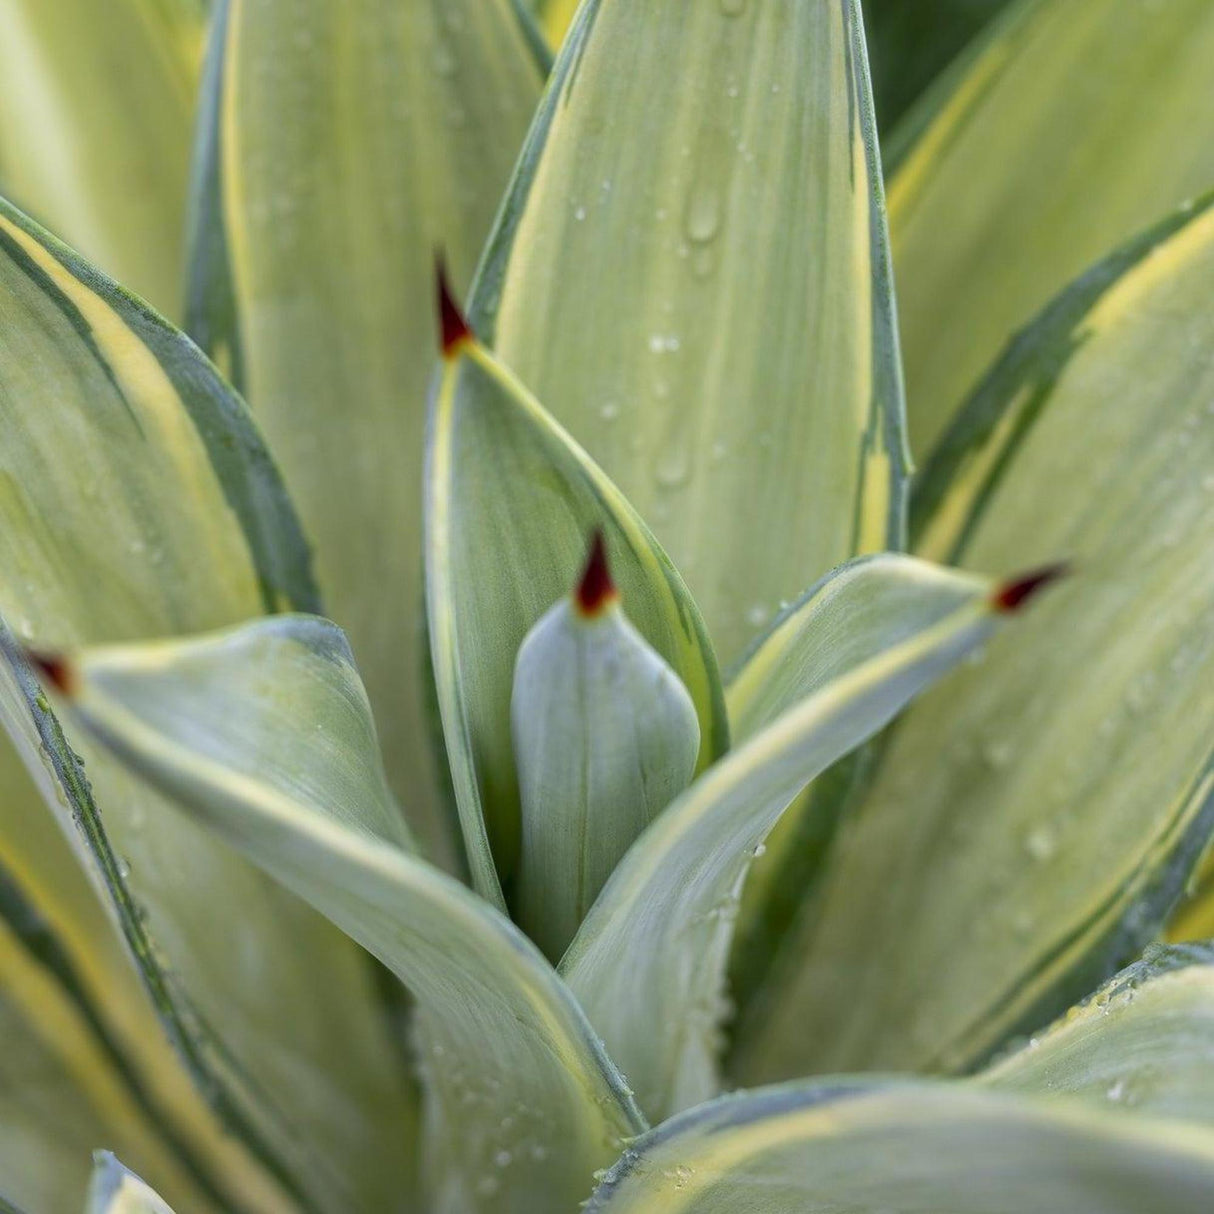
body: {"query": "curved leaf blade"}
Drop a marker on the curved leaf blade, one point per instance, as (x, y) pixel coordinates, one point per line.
(343, 144)
(1143, 1044)
(115, 1189)
(666, 916)
(528, 1105)
(96, 104)
(138, 500)
(511, 499)
(1042, 147)
(733, 382)
(1060, 794)
(908, 1148)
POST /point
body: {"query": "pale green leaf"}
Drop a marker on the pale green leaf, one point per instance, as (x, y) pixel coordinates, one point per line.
(908, 1148)
(1142, 1044)
(96, 107)
(1043, 156)
(65, 1085)
(137, 500)
(886, 597)
(97, 1041)
(605, 737)
(115, 1189)
(665, 918)
(554, 18)
(1028, 830)
(343, 144)
(511, 500)
(527, 1105)
(691, 271)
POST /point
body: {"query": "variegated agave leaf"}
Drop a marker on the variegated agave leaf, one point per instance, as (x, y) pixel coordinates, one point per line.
(1038, 157)
(1059, 791)
(140, 501)
(341, 145)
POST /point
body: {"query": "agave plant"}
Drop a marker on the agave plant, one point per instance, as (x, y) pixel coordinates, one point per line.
(467, 777)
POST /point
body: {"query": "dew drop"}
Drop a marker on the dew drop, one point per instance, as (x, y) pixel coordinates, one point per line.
(580, 214)
(1116, 1090)
(609, 410)
(703, 215)
(1041, 844)
(673, 469)
(756, 615)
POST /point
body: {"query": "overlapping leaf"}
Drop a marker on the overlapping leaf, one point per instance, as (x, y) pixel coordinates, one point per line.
(343, 144)
(510, 502)
(690, 271)
(96, 106)
(527, 1105)
(1059, 792)
(908, 1148)
(1080, 122)
(117, 1190)
(1142, 1044)
(665, 918)
(137, 500)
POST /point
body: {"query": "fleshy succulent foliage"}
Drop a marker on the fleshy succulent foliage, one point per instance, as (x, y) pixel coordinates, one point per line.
(473, 775)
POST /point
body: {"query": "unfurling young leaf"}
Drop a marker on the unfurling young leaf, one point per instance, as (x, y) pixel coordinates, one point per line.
(605, 737)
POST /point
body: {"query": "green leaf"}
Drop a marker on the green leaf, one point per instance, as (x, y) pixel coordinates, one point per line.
(341, 145)
(527, 1105)
(139, 501)
(1041, 158)
(665, 918)
(883, 597)
(64, 1086)
(909, 44)
(106, 1072)
(908, 1148)
(510, 501)
(1142, 1044)
(117, 1190)
(96, 104)
(734, 368)
(605, 737)
(1059, 793)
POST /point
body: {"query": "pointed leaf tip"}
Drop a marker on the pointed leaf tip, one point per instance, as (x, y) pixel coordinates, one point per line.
(453, 327)
(54, 669)
(1013, 595)
(595, 589)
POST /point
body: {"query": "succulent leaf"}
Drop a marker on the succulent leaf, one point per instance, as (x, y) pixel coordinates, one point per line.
(605, 737)
(510, 500)
(139, 501)
(1060, 792)
(342, 144)
(1043, 145)
(907, 1148)
(691, 271)
(525, 1103)
(117, 1190)
(96, 104)
(1143, 1044)
(666, 916)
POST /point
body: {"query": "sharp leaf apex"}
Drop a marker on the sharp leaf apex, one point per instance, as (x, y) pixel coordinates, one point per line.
(454, 330)
(1013, 595)
(55, 669)
(595, 589)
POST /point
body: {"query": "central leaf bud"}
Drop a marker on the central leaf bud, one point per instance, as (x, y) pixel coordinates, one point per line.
(605, 736)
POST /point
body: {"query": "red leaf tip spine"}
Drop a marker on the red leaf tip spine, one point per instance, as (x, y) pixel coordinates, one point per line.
(1012, 596)
(454, 330)
(595, 591)
(54, 669)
